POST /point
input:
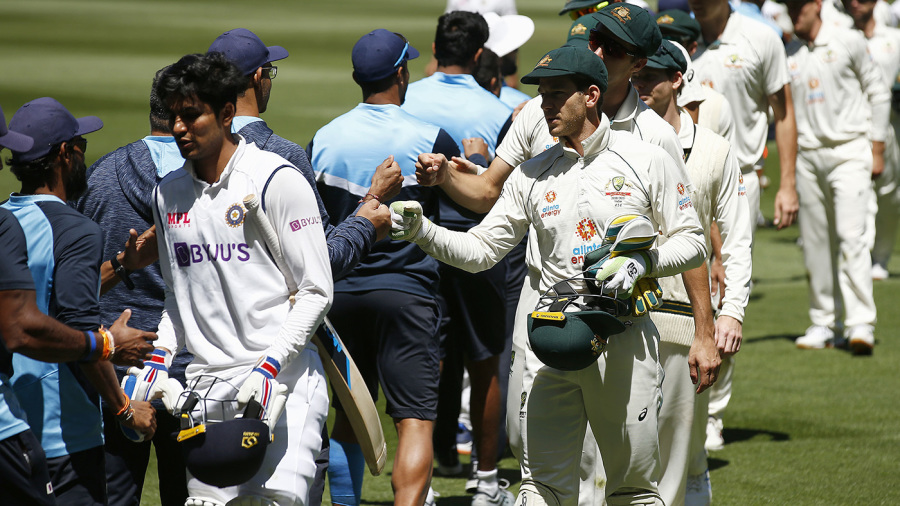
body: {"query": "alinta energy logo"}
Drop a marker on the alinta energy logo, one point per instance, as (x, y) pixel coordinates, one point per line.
(551, 209)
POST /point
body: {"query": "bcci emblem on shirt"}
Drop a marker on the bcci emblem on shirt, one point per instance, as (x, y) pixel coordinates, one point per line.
(234, 217)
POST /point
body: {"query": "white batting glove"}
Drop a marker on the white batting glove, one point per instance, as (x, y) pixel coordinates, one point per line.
(407, 222)
(261, 385)
(622, 272)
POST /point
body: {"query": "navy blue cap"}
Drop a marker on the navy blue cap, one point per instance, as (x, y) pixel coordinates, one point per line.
(379, 53)
(243, 48)
(13, 140)
(47, 122)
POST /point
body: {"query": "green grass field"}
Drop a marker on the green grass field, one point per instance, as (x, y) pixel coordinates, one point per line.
(803, 428)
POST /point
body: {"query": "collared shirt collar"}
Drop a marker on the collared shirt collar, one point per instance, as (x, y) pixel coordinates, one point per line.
(686, 134)
(629, 108)
(240, 122)
(235, 158)
(825, 35)
(596, 143)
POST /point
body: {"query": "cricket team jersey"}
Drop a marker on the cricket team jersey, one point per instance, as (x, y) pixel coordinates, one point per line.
(226, 299)
(884, 47)
(529, 135)
(512, 97)
(344, 166)
(565, 198)
(14, 275)
(746, 64)
(835, 85)
(64, 256)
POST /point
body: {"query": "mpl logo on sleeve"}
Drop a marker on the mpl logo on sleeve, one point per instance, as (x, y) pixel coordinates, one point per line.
(178, 220)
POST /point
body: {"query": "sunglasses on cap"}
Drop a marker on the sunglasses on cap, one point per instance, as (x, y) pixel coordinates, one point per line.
(610, 46)
(584, 11)
(270, 72)
(404, 53)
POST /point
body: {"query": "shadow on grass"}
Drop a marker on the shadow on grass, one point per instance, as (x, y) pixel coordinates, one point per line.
(732, 435)
(513, 476)
(715, 463)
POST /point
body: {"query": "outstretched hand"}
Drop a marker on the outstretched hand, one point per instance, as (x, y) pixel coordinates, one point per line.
(387, 180)
(133, 346)
(431, 169)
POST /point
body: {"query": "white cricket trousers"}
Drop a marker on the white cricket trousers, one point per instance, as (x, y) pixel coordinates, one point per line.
(620, 396)
(290, 463)
(834, 184)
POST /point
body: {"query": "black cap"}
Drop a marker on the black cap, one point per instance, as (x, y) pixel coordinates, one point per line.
(227, 453)
(631, 24)
(379, 53)
(568, 61)
(47, 122)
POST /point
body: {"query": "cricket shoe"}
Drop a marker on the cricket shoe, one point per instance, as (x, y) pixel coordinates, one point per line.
(862, 339)
(714, 439)
(503, 497)
(879, 273)
(817, 337)
(699, 490)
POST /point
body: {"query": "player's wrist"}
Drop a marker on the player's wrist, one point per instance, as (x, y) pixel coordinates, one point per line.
(268, 366)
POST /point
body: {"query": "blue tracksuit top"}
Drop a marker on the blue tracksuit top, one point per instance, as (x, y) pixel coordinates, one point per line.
(348, 237)
(64, 249)
(456, 103)
(512, 97)
(345, 154)
(119, 198)
(14, 275)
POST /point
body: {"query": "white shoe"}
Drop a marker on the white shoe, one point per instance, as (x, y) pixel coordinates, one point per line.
(862, 339)
(879, 273)
(699, 490)
(472, 480)
(503, 497)
(816, 338)
(431, 497)
(714, 439)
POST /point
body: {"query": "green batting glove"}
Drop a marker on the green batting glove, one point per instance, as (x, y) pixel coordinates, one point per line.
(407, 222)
(647, 296)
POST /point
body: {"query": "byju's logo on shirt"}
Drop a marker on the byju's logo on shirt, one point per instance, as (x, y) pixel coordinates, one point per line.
(178, 220)
(187, 254)
(298, 225)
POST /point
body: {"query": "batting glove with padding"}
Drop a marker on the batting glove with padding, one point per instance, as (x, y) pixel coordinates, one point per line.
(151, 382)
(647, 296)
(408, 223)
(620, 273)
(270, 394)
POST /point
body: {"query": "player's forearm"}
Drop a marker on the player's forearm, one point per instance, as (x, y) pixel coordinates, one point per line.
(477, 193)
(102, 376)
(696, 283)
(735, 238)
(305, 316)
(681, 252)
(28, 331)
(786, 138)
(348, 243)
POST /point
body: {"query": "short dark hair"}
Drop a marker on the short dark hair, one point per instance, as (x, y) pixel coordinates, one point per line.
(210, 77)
(159, 113)
(488, 68)
(38, 172)
(372, 87)
(459, 36)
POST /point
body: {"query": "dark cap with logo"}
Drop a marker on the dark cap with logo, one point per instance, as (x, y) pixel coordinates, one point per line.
(380, 53)
(668, 57)
(47, 122)
(13, 140)
(580, 32)
(569, 61)
(243, 48)
(574, 5)
(631, 24)
(678, 24)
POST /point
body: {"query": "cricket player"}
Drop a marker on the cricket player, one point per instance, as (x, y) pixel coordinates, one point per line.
(60, 399)
(841, 150)
(250, 335)
(556, 405)
(25, 330)
(718, 194)
(452, 99)
(401, 349)
(884, 46)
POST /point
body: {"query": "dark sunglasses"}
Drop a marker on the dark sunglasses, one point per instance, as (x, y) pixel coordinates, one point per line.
(584, 11)
(611, 47)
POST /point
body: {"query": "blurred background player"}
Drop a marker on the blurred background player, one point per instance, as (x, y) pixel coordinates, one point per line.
(883, 43)
(255, 339)
(60, 400)
(453, 100)
(832, 72)
(718, 195)
(400, 349)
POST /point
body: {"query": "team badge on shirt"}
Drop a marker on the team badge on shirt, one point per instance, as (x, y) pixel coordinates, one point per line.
(618, 189)
(734, 61)
(830, 56)
(234, 216)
